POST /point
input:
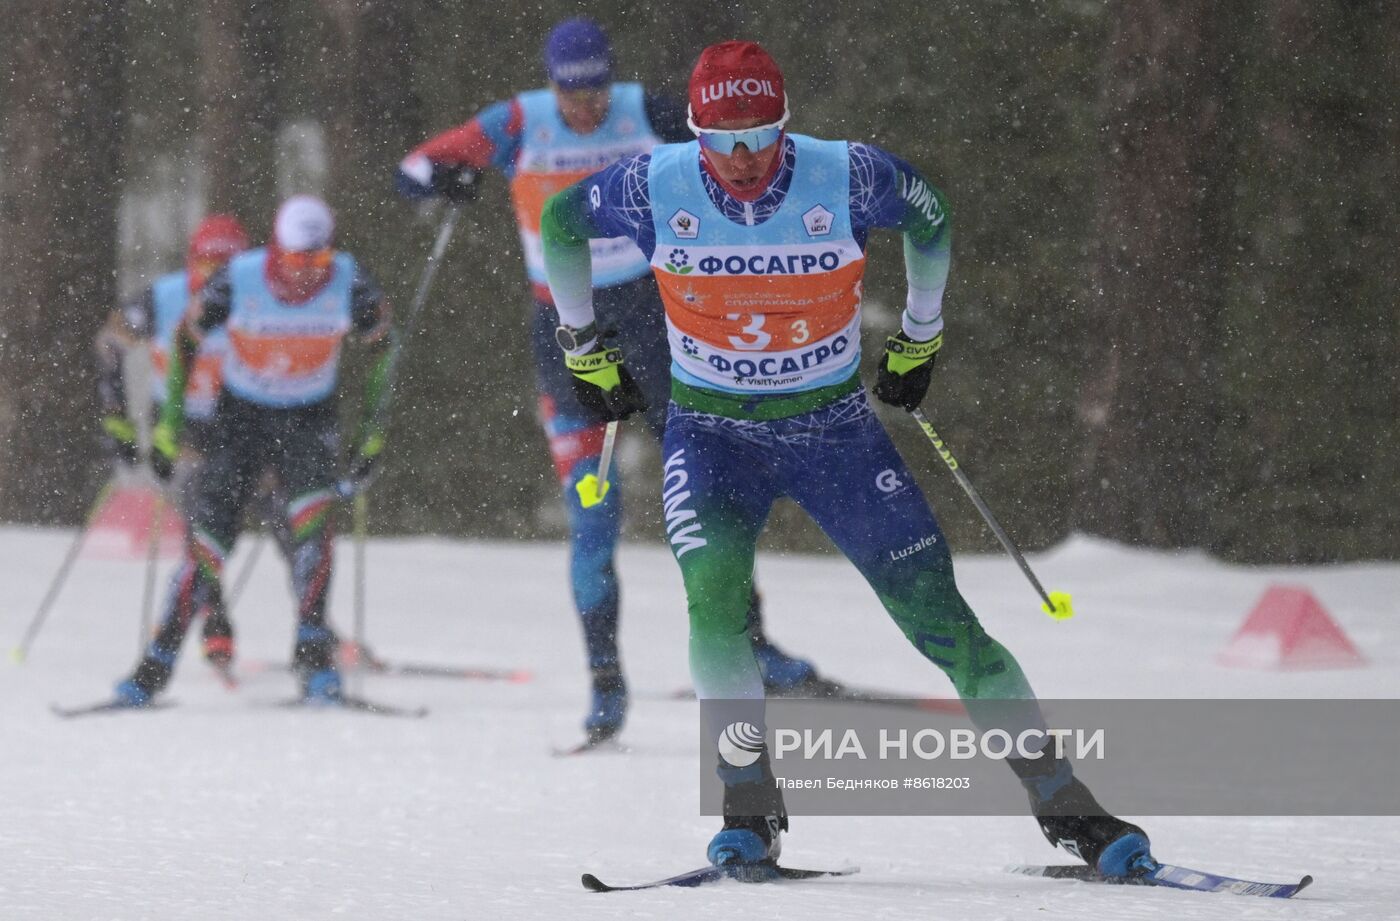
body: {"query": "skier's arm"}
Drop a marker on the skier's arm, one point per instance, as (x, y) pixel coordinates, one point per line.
(565, 229)
(209, 310)
(450, 163)
(372, 323)
(108, 348)
(371, 431)
(887, 192)
(125, 328)
(165, 435)
(613, 202)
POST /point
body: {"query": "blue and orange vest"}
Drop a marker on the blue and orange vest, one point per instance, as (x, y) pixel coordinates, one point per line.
(553, 157)
(284, 355)
(766, 309)
(171, 297)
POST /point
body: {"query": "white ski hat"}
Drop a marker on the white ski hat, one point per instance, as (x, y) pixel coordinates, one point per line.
(304, 222)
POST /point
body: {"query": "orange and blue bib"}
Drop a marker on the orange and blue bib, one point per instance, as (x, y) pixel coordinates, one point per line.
(284, 355)
(766, 309)
(553, 157)
(170, 296)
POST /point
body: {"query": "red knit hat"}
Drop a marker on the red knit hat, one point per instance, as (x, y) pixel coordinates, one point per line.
(217, 239)
(736, 80)
(219, 236)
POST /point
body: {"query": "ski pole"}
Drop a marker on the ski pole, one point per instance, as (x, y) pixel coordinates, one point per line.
(60, 578)
(425, 282)
(415, 309)
(240, 581)
(361, 526)
(357, 488)
(148, 589)
(1056, 604)
(593, 489)
(349, 487)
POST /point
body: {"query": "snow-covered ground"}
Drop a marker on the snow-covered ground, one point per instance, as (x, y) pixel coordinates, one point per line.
(221, 808)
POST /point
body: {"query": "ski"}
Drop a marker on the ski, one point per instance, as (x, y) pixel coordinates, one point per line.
(106, 706)
(840, 693)
(1173, 877)
(411, 670)
(949, 705)
(608, 743)
(765, 872)
(428, 670)
(354, 705)
(353, 656)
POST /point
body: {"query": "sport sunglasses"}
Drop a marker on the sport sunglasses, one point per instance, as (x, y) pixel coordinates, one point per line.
(308, 259)
(205, 266)
(723, 141)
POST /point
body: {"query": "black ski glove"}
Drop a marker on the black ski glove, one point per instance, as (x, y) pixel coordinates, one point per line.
(456, 184)
(365, 467)
(119, 439)
(602, 384)
(906, 370)
(165, 450)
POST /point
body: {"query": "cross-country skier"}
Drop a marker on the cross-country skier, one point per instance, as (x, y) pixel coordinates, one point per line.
(287, 310)
(150, 320)
(543, 141)
(757, 238)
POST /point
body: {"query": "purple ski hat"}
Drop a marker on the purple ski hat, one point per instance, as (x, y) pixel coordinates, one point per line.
(578, 55)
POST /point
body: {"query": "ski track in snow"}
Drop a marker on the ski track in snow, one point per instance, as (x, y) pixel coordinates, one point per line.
(221, 809)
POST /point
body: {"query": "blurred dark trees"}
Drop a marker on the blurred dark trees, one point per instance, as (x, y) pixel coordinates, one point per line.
(1307, 459)
(60, 181)
(239, 45)
(1172, 318)
(1146, 410)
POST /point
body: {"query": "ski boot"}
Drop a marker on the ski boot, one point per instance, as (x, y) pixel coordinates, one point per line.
(754, 817)
(147, 681)
(219, 646)
(314, 663)
(783, 675)
(1071, 818)
(322, 686)
(749, 839)
(787, 676)
(608, 708)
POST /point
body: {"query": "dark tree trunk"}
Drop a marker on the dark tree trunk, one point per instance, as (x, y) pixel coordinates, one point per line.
(378, 113)
(239, 43)
(1309, 443)
(1146, 408)
(63, 119)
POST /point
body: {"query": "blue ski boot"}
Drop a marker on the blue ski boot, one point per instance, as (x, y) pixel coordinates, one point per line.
(131, 694)
(313, 660)
(1071, 818)
(754, 816)
(608, 709)
(747, 840)
(321, 686)
(146, 682)
(784, 675)
(787, 676)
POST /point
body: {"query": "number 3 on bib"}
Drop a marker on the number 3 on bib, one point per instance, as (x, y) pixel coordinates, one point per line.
(753, 328)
